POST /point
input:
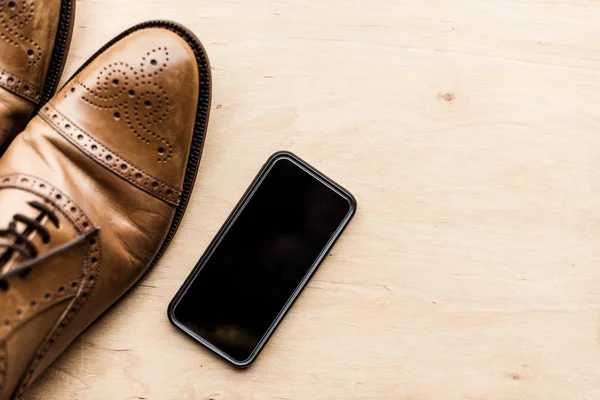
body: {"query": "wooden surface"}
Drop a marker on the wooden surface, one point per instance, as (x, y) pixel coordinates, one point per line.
(469, 131)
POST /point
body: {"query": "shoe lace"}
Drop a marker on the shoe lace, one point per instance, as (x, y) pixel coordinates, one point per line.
(23, 244)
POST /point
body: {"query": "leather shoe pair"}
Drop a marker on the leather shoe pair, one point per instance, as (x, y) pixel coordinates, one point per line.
(94, 186)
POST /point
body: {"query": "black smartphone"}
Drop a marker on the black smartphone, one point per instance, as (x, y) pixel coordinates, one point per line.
(261, 259)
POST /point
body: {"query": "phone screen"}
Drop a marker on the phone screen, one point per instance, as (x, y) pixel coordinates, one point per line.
(271, 243)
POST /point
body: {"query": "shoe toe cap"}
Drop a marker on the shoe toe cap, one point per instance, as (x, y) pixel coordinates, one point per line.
(137, 100)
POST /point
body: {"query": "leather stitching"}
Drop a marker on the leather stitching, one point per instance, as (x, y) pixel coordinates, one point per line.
(20, 86)
(80, 289)
(108, 158)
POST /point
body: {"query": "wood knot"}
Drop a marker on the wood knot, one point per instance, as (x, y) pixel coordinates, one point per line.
(447, 97)
(514, 376)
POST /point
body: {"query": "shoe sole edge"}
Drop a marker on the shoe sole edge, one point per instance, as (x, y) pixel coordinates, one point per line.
(62, 44)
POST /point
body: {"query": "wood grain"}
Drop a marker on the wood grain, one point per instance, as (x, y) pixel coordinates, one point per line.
(469, 133)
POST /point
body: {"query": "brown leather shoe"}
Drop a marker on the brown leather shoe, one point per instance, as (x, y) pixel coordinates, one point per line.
(92, 191)
(34, 42)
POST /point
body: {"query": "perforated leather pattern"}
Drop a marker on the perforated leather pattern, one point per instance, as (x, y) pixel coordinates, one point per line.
(79, 290)
(134, 97)
(21, 86)
(74, 214)
(16, 18)
(110, 159)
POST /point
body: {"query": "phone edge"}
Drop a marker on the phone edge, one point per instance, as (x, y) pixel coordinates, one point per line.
(301, 286)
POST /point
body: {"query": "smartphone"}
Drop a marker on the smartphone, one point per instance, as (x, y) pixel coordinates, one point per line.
(262, 258)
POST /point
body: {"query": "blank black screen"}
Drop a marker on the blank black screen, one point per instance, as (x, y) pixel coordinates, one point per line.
(260, 261)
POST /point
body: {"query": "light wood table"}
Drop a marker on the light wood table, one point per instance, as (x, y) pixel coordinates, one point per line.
(469, 132)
